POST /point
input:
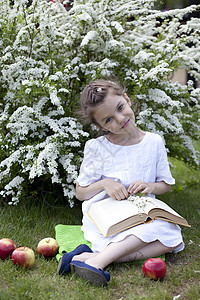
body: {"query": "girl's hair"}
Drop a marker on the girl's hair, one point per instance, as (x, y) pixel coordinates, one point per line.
(94, 94)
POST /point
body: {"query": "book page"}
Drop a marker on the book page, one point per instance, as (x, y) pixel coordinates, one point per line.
(146, 204)
(109, 211)
(159, 210)
(152, 203)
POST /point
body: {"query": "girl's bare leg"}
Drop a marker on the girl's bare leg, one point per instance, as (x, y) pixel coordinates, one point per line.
(84, 256)
(131, 248)
(114, 251)
(153, 249)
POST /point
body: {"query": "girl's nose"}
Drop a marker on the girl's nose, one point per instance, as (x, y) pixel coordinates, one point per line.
(119, 118)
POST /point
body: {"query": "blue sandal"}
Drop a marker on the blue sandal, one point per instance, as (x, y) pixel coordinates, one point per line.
(95, 276)
(63, 266)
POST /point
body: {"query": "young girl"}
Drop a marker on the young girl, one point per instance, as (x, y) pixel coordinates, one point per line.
(124, 161)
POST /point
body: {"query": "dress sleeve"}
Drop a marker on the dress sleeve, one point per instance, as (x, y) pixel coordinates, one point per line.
(92, 165)
(163, 170)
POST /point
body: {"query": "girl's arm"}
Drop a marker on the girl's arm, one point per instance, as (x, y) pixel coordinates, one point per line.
(156, 188)
(113, 188)
(117, 191)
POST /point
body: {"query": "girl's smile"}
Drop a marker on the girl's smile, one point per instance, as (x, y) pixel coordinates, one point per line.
(126, 124)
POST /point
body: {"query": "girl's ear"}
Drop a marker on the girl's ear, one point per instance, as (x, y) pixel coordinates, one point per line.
(104, 131)
(99, 127)
(127, 99)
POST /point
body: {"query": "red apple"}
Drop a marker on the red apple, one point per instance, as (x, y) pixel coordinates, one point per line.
(23, 256)
(154, 268)
(48, 247)
(7, 246)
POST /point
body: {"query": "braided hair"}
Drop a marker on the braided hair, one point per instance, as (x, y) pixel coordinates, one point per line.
(94, 94)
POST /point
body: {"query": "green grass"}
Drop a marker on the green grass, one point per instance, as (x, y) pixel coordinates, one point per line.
(29, 222)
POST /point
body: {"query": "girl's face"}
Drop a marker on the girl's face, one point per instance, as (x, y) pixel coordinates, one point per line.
(115, 115)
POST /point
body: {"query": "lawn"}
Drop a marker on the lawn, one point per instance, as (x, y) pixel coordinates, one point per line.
(29, 222)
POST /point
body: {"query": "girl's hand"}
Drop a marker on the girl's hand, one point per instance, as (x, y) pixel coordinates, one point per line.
(140, 186)
(115, 189)
(156, 188)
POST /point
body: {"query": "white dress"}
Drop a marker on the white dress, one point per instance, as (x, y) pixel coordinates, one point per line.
(145, 161)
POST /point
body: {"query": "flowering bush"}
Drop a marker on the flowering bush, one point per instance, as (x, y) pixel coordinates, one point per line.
(48, 54)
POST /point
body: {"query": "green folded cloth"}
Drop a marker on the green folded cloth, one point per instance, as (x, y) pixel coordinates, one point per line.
(68, 238)
(71, 236)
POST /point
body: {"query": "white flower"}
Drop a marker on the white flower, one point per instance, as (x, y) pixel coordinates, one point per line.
(89, 37)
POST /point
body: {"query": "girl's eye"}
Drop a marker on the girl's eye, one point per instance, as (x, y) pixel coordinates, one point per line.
(120, 107)
(108, 120)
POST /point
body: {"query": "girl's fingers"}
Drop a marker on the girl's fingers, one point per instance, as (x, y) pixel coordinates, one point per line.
(138, 188)
(122, 194)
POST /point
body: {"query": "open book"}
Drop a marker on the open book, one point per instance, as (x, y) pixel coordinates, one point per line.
(112, 216)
